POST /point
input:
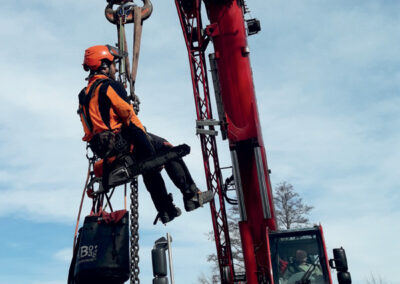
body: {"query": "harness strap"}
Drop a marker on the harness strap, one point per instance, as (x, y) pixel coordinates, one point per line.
(104, 103)
(82, 112)
(84, 101)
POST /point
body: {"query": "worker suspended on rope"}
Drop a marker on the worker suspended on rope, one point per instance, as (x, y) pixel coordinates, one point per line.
(106, 115)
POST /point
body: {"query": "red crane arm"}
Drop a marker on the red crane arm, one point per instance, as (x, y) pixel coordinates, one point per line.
(228, 34)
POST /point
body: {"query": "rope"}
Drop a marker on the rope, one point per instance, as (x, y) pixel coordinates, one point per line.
(81, 205)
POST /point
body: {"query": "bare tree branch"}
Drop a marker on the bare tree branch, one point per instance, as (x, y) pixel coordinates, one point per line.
(290, 209)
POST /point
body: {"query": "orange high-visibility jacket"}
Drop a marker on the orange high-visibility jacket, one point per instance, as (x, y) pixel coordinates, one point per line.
(108, 107)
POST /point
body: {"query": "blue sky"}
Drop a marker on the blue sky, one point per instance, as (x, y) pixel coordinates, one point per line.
(327, 81)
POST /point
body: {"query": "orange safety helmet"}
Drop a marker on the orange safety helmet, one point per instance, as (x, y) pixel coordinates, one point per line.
(95, 56)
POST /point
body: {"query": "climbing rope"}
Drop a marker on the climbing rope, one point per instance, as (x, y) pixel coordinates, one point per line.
(89, 176)
(134, 233)
(81, 204)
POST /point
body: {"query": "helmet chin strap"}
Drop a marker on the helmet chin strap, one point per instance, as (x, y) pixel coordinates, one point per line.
(108, 74)
(101, 71)
(98, 72)
(103, 67)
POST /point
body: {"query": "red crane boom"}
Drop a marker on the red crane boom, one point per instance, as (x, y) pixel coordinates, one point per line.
(264, 247)
(228, 34)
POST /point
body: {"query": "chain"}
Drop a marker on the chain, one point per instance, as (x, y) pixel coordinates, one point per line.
(134, 233)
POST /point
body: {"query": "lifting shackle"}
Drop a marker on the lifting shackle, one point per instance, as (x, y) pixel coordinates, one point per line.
(111, 15)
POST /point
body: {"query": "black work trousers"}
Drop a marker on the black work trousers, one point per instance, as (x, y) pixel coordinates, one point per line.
(176, 169)
(153, 180)
(148, 145)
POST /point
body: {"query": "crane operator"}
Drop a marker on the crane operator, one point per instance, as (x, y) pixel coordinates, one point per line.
(300, 266)
(106, 115)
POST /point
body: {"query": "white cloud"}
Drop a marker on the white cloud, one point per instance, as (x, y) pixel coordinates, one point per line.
(64, 255)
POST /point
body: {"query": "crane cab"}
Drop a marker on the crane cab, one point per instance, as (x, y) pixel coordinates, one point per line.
(299, 256)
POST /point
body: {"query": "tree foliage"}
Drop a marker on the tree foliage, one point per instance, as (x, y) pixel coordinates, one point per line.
(290, 210)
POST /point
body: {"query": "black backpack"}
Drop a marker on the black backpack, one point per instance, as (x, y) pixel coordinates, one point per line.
(101, 255)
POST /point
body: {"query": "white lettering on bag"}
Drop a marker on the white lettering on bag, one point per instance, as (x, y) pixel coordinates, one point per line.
(88, 251)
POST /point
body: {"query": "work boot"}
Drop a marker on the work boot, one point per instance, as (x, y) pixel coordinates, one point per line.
(166, 217)
(197, 199)
(169, 213)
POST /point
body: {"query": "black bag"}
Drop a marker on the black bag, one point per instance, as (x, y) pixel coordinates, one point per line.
(102, 254)
(108, 143)
(102, 144)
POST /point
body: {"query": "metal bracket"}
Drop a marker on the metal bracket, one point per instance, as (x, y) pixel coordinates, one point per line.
(212, 30)
(262, 183)
(218, 96)
(206, 122)
(238, 184)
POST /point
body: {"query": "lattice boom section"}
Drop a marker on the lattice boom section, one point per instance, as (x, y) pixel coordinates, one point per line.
(190, 18)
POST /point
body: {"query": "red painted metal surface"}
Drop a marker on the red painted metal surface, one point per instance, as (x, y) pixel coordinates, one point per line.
(227, 29)
(270, 273)
(248, 252)
(257, 226)
(231, 50)
(190, 19)
(328, 269)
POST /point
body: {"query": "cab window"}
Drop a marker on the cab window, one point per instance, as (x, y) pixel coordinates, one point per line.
(298, 257)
